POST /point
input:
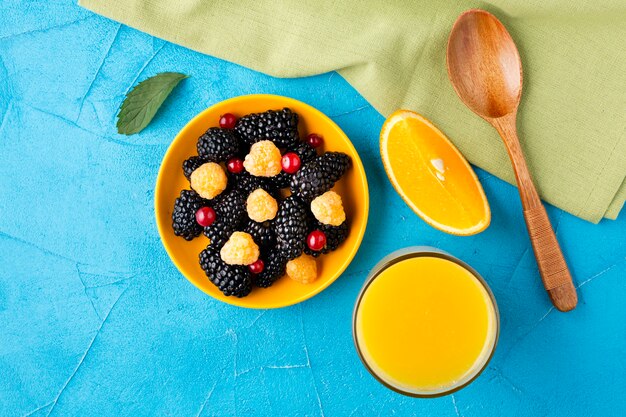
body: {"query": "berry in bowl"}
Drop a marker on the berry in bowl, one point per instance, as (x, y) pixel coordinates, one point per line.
(261, 201)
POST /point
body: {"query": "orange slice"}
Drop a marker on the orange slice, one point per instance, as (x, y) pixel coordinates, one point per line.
(432, 176)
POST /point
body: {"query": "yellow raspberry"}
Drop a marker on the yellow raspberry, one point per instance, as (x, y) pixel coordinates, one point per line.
(261, 206)
(302, 269)
(328, 209)
(263, 160)
(240, 249)
(208, 180)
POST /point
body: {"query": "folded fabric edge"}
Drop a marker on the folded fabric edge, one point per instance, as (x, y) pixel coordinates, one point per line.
(613, 212)
(617, 204)
(609, 191)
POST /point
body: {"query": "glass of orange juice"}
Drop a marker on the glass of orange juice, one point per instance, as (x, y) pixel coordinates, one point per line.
(425, 323)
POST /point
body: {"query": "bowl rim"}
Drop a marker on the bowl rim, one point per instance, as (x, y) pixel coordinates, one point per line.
(415, 252)
(357, 164)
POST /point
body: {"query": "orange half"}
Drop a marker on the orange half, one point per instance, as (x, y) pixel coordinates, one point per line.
(432, 176)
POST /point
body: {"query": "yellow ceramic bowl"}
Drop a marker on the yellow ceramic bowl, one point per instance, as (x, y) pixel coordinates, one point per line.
(352, 188)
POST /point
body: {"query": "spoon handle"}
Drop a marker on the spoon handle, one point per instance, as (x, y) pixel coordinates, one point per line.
(552, 266)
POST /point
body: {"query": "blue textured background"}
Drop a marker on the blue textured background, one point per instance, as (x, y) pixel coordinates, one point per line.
(95, 319)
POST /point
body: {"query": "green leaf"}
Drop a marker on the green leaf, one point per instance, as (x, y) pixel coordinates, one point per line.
(144, 100)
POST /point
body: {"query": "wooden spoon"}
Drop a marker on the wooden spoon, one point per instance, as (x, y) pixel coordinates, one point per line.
(486, 72)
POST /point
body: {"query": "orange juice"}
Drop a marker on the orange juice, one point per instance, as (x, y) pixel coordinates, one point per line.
(425, 324)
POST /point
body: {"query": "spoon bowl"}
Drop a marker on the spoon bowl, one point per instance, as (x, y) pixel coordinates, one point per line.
(490, 87)
(486, 72)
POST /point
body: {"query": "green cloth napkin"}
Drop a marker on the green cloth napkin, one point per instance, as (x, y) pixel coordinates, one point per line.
(571, 118)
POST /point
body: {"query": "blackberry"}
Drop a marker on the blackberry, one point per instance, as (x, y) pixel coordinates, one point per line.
(247, 182)
(232, 203)
(229, 279)
(274, 268)
(335, 236)
(218, 145)
(319, 175)
(262, 233)
(184, 214)
(290, 226)
(282, 180)
(305, 152)
(191, 164)
(220, 230)
(229, 213)
(336, 164)
(281, 127)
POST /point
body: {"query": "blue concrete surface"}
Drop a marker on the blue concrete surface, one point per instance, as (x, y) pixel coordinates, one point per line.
(96, 321)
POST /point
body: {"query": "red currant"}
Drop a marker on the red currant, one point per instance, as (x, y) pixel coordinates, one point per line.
(234, 165)
(291, 162)
(316, 240)
(257, 267)
(227, 121)
(205, 216)
(314, 140)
